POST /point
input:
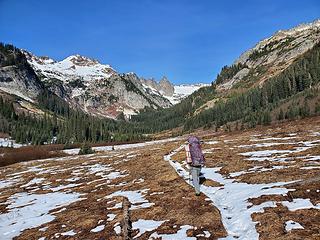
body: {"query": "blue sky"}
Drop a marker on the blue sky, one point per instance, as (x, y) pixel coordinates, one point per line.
(188, 41)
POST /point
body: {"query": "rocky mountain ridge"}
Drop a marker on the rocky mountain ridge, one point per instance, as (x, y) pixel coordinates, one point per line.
(174, 93)
(272, 55)
(99, 89)
(94, 87)
(164, 86)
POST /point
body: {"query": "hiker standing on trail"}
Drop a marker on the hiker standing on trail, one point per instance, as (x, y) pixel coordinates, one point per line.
(195, 160)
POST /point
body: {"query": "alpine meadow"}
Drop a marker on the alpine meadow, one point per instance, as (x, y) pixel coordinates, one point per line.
(197, 130)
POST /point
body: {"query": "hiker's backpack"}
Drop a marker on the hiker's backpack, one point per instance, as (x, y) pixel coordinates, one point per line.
(188, 154)
(196, 154)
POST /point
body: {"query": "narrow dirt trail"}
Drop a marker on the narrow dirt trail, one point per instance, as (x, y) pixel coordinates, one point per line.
(231, 198)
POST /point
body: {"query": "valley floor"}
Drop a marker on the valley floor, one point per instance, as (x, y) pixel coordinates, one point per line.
(258, 184)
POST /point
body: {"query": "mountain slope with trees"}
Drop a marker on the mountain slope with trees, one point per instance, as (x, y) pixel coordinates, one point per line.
(55, 120)
(293, 93)
(277, 79)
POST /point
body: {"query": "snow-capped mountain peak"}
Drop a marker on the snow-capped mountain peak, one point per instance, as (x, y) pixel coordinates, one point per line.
(98, 89)
(79, 60)
(70, 68)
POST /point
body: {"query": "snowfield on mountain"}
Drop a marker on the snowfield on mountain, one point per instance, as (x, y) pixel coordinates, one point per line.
(184, 90)
(257, 184)
(100, 90)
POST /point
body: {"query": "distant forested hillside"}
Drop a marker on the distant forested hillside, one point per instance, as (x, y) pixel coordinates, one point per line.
(55, 121)
(61, 124)
(291, 94)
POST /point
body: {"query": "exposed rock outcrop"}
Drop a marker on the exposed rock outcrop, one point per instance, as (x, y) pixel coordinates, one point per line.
(17, 77)
(272, 55)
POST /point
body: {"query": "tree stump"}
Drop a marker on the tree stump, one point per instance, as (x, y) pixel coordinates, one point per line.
(126, 222)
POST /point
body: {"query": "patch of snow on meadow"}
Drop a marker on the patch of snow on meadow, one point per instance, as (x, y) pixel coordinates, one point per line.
(290, 225)
(145, 226)
(310, 167)
(117, 228)
(8, 183)
(299, 203)
(267, 144)
(69, 233)
(311, 158)
(98, 228)
(257, 169)
(31, 210)
(30, 169)
(98, 168)
(264, 153)
(136, 198)
(156, 193)
(180, 235)
(205, 234)
(32, 182)
(62, 187)
(111, 217)
(7, 142)
(211, 142)
(105, 172)
(278, 155)
(272, 139)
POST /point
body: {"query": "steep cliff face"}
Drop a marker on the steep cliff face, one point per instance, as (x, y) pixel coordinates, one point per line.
(166, 87)
(272, 55)
(16, 76)
(174, 93)
(163, 87)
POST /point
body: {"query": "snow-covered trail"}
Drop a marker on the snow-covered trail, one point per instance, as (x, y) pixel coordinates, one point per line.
(232, 199)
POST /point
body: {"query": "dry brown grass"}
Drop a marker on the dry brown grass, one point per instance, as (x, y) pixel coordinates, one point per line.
(15, 155)
(10, 156)
(272, 223)
(3, 135)
(176, 201)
